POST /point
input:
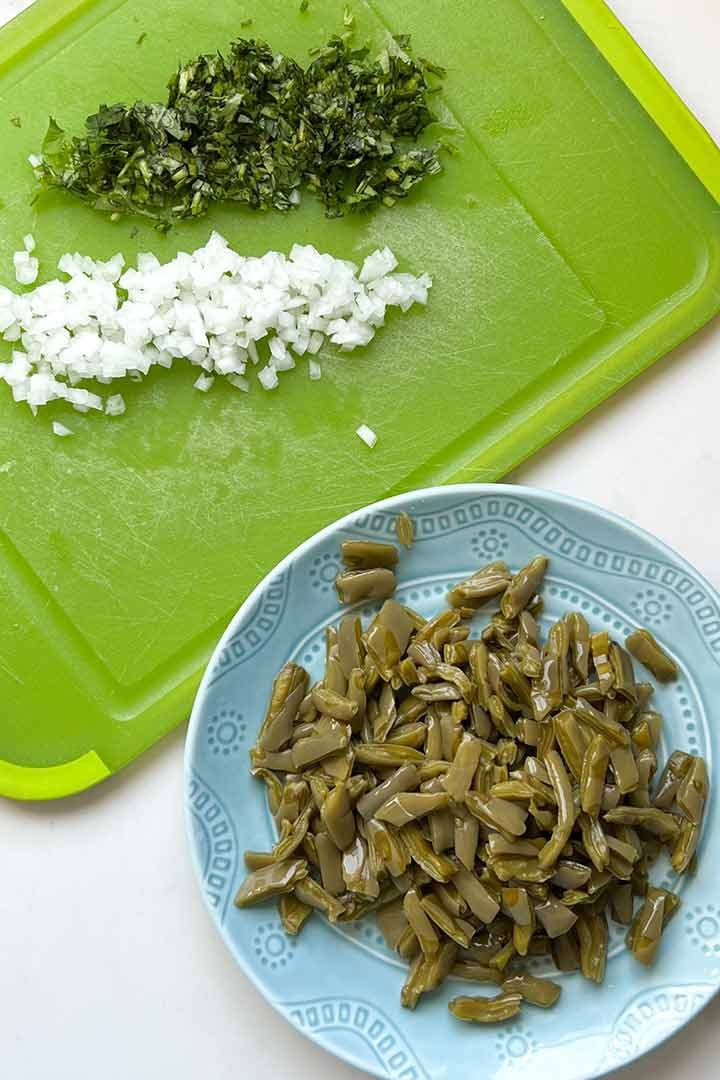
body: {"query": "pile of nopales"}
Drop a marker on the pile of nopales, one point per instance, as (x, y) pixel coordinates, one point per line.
(488, 799)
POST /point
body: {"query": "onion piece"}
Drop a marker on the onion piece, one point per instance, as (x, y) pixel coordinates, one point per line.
(367, 435)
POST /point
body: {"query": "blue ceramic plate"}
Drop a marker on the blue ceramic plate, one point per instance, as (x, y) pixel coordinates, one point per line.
(341, 986)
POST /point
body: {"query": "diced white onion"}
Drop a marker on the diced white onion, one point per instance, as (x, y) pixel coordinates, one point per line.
(26, 267)
(268, 377)
(215, 309)
(60, 429)
(115, 405)
(378, 265)
(204, 382)
(367, 435)
(239, 381)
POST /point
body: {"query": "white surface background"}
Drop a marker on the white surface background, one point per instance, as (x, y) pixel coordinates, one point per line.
(109, 965)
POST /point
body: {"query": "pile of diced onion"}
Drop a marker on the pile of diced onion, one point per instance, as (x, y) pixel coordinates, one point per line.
(212, 308)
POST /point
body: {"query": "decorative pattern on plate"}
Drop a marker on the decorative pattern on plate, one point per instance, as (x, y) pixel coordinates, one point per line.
(325, 568)
(652, 607)
(226, 732)
(217, 843)
(429, 524)
(515, 1045)
(703, 928)
(650, 1017)
(490, 543)
(689, 704)
(273, 947)
(256, 630)
(368, 1022)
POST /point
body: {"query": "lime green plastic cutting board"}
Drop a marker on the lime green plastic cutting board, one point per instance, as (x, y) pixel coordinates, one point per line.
(571, 244)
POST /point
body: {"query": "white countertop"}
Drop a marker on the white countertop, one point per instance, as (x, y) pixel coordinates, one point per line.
(110, 968)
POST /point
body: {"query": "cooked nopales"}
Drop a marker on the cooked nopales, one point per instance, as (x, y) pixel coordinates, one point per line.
(490, 797)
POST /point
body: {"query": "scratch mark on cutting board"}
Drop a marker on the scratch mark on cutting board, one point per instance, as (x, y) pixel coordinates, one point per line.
(10, 673)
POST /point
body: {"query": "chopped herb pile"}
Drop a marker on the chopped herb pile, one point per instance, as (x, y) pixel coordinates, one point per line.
(256, 128)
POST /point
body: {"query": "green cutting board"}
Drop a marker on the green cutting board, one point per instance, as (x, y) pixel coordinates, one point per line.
(571, 243)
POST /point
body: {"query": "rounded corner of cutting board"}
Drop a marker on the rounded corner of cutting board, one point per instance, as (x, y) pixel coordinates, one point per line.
(31, 784)
(650, 87)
